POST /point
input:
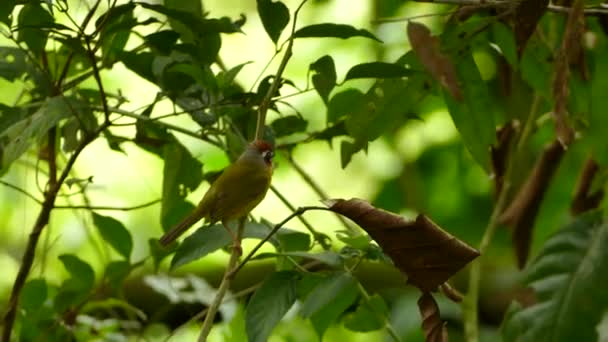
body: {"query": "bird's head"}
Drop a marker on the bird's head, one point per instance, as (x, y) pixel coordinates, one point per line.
(263, 149)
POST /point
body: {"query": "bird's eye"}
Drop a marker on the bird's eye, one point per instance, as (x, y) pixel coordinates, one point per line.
(267, 155)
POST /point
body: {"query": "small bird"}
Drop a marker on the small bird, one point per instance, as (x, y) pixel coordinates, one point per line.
(239, 189)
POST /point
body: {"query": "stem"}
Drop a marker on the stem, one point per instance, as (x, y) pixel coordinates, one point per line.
(387, 324)
(107, 207)
(276, 228)
(263, 108)
(225, 284)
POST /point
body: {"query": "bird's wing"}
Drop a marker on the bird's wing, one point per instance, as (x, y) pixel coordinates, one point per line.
(248, 187)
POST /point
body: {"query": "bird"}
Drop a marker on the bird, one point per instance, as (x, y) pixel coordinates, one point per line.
(239, 189)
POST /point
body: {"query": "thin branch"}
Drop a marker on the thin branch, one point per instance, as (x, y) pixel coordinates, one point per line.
(108, 207)
(225, 284)
(263, 108)
(589, 11)
(23, 191)
(317, 189)
(297, 212)
(320, 237)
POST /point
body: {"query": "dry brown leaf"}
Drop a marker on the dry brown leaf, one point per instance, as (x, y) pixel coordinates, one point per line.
(500, 152)
(433, 327)
(583, 200)
(527, 16)
(428, 50)
(522, 211)
(570, 49)
(427, 254)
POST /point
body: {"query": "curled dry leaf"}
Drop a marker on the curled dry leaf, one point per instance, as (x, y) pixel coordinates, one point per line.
(428, 50)
(433, 327)
(584, 199)
(500, 152)
(522, 211)
(427, 254)
(527, 16)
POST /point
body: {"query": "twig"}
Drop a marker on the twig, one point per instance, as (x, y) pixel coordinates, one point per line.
(591, 10)
(318, 190)
(276, 228)
(108, 207)
(315, 234)
(224, 285)
(23, 191)
(263, 108)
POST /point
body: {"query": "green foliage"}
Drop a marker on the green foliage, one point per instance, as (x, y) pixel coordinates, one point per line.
(275, 16)
(114, 233)
(567, 278)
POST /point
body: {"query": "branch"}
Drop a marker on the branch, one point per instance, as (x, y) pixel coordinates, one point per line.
(225, 284)
(297, 212)
(590, 11)
(263, 108)
(23, 191)
(106, 207)
(41, 222)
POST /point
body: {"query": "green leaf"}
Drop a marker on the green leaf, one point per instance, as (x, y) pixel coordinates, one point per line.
(595, 134)
(387, 104)
(330, 30)
(16, 139)
(370, 315)
(163, 41)
(329, 299)
(82, 274)
(208, 239)
(116, 272)
(324, 77)
(269, 304)
(474, 116)
(182, 173)
(33, 294)
(504, 38)
(116, 26)
(139, 63)
(13, 63)
(288, 125)
(537, 68)
(193, 7)
(347, 150)
(6, 8)
(114, 233)
(568, 278)
(329, 258)
(377, 70)
(32, 21)
(274, 16)
(344, 103)
(110, 304)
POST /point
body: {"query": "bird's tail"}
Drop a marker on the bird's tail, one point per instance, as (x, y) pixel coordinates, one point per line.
(178, 229)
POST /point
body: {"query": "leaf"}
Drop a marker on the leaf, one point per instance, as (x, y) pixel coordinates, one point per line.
(377, 70)
(274, 16)
(387, 103)
(208, 239)
(504, 38)
(110, 304)
(193, 7)
(32, 21)
(347, 150)
(329, 258)
(13, 63)
(433, 327)
(16, 139)
(523, 209)
(428, 50)
(33, 294)
(288, 125)
(473, 117)
(568, 278)
(428, 255)
(139, 63)
(585, 197)
(182, 173)
(369, 316)
(527, 15)
(324, 77)
(6, 8)
(115, 27)
(344, 104)
(82, 274)
(330, 30)
(158, 252)
(116, 272)
(114, 233)
(163, 41)
(328, 300)
(269, 304)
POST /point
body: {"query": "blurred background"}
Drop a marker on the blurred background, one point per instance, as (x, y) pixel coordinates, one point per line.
(419, 167)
